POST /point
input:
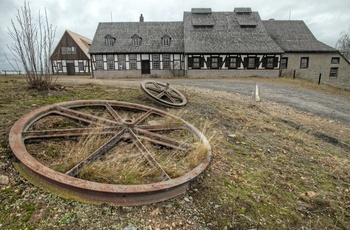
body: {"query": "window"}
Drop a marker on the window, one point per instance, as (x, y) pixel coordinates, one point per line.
(251, 63)
(136, 40)
(196, 63)
(269, 62)
(333, 72)
(110, 62)
(121, 61)
(166, 40)
(335, 60)
(68, 50)
(99, 62)
(233, 63)
(166, 61)
(59, 66)
(304, 62)
(214, 63)
(284, 63)
(81, 66)
(109, 40)
(133, 63)
(155, 61)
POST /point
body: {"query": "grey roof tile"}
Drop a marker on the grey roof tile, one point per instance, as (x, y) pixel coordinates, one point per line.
(295, 36)
(227, 34)
(150, 32)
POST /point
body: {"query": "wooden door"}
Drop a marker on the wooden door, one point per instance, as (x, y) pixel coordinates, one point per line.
(145, 67)
(70, 69)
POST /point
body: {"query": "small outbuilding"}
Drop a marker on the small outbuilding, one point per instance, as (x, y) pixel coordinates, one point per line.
(71, 55)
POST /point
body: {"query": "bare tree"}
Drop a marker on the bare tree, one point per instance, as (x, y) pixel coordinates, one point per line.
(32, 46)
(343, 44)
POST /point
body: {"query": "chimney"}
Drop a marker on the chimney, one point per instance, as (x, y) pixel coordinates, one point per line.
(141, 18)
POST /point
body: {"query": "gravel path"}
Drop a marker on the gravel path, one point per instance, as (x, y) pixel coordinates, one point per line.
(328, 106)
(332, 107)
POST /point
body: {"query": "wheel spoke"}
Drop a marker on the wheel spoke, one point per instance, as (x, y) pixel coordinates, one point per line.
(174, 94)
(151, 160)
(113, 113)
(98, 153)
(167, 127)
(159, 96)
(91, 119)
(143, 117)
(169, 96)
(158, 90)
(74, 132)
(162, 140)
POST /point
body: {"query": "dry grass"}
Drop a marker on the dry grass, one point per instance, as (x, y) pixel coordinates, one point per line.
(264, 173)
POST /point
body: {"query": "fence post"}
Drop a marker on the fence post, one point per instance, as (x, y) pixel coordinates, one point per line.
(319, 78)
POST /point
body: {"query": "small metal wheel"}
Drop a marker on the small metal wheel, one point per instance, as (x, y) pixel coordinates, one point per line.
(163, 93)
(100, 151)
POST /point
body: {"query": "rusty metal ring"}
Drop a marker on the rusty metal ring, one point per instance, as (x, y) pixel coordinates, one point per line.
(66, 185)
(163, 93)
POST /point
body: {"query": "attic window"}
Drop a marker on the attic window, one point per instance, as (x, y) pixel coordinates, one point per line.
(136, 40)
(243, 11)
(68, 50)
(248, 26)
(166, 40)
(201, 10)
(109, 40)
(203, 27)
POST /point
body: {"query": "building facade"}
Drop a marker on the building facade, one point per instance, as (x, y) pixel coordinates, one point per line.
(71, 55)
(215, 44)
(306, 57)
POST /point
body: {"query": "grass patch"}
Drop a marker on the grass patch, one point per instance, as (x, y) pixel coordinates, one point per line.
(264, 173)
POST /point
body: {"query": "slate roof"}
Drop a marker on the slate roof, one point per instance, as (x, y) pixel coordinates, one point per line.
(227, 34)
(295, 36)
(151, 34)
(204, 31)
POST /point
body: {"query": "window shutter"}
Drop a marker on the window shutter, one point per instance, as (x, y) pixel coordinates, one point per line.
(208, 62)
(264, 62)
(227, 61)
(257, 62)
(220, 62)
(202, 61)
(245, 63)
(190, 62)
(275, 62)
(239, 61)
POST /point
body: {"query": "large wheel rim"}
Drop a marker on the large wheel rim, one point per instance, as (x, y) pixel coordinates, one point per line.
(163, 93)
(136, 129)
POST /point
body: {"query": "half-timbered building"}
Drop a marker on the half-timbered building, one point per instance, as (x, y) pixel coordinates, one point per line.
(215, 44)
(130, 49)
(71, 55)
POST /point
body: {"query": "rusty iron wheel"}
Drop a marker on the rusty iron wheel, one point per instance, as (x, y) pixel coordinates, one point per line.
(148, 131)
(163, 93)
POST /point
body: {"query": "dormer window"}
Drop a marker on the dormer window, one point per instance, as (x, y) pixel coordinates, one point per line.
(109, 40)
(136, 40)
(166, 40)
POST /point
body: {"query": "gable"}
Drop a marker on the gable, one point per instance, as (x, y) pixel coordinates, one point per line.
(72, 46)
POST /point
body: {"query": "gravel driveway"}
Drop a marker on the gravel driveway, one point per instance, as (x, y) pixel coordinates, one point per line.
(328, 106)
(332, 107)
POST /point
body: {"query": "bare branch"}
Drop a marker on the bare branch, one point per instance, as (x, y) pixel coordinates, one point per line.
(32, 46)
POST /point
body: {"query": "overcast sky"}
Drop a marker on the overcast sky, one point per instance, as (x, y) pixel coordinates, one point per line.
(325, 18)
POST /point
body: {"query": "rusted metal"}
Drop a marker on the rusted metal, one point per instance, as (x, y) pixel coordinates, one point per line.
(163, 93)
(132, 128)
